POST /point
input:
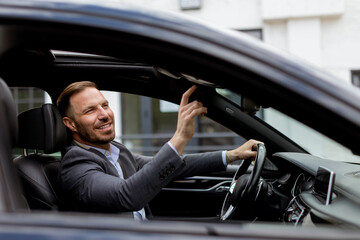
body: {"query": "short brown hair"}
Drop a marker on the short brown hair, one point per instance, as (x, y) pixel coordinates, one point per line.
(63, 101)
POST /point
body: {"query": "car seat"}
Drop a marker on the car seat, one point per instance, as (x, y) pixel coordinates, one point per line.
(11, 198)
(40, 129)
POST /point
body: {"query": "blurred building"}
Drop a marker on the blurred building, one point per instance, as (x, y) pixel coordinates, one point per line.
(323, 32)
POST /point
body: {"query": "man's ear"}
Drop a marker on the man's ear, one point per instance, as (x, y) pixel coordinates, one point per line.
(69, 123)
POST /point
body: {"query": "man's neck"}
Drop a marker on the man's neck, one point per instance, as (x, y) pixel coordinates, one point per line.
(101, 146)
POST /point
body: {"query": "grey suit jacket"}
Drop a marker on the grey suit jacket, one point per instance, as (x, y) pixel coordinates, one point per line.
(89, 182)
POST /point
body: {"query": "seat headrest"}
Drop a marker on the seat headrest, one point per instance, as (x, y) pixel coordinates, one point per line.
(42, 129)
(9, 127)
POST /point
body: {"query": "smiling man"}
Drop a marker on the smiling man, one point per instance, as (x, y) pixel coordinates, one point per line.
(100, 175)
(90, 118)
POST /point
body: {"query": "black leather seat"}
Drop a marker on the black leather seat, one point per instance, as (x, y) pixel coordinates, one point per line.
(11, 198)
(40, 129)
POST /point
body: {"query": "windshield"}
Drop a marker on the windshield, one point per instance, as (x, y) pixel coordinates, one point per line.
(312, 141)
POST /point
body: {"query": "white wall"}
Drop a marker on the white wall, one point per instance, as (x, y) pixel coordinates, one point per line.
(340, 41)
(235, 14)
(324, 33)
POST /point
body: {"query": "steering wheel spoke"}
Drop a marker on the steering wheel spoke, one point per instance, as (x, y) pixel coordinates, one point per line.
(228, 213)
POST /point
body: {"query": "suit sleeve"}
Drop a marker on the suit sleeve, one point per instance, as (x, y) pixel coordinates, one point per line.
(202, 163)
(85, 182)
(195, 164)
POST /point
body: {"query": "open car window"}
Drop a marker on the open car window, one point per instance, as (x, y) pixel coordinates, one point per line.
(29, 97)
(145, 124)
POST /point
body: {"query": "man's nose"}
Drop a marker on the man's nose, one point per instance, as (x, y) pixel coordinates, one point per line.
(103, 114)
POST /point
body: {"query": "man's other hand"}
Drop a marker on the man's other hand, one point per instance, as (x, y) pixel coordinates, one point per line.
(186, 120)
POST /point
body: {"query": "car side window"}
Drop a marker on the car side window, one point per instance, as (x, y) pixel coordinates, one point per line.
(145, 124)
(28, 97)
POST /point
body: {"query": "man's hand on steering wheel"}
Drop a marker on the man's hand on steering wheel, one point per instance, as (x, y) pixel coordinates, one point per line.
(246, 151)
(243, 187)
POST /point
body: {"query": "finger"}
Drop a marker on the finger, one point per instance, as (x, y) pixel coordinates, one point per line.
(250, 155)
(253, 154)
(198, 112)
(186, 96)
(254, 147)
(188, 109)
(254, 144)
(190, 106)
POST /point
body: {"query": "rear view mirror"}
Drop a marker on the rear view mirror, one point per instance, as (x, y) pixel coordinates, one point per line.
(246, 104)
(249, 106)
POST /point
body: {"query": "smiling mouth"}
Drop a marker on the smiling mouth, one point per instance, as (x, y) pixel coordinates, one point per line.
(105, 126)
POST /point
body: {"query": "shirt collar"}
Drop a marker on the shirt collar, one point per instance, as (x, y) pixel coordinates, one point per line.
(113, 153)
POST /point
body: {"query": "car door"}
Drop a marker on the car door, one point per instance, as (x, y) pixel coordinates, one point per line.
(194, 197)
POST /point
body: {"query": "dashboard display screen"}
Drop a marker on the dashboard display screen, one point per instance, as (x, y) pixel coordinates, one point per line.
(324, 183)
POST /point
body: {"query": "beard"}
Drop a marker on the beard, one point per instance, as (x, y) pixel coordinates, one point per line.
(93, 138)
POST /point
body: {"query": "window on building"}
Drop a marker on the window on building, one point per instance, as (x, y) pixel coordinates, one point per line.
(257, 33)
(27, 97)
(355, 77)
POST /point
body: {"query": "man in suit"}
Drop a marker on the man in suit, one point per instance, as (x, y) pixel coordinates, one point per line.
(101, 175)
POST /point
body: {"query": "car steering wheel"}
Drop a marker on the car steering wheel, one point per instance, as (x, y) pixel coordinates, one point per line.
(243, 187)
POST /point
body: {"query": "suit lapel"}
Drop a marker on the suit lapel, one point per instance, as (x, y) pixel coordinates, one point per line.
(109, 168)
(123, 167)
(126, 162)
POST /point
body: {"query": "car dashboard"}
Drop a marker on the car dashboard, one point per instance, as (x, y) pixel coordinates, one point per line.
(296, 211)
(307, 202)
